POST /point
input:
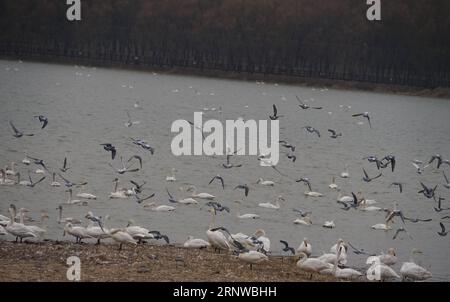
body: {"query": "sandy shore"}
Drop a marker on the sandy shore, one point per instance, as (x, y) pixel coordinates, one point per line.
(47, 262)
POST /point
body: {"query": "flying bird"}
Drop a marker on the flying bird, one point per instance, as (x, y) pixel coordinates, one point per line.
(70, 184)
(287, 145)
(428, 192)
(398, 232)
(366, 177)
(287, 248)
(144, 145)
(312, 130)
(110, 148)
(275, 115)
(18, 133)
(364, 114)
(244, 187)
(218, 177)
(443, 232)
(334, 134)
(306, 181)
(43, 120)
(305, 106)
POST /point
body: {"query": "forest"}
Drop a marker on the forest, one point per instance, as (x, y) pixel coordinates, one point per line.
(329, 39)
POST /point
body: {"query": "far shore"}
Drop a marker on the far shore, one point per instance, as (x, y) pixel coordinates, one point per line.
(438, 92)
(46, 261)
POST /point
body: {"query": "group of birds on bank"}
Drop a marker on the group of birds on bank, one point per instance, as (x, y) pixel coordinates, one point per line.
(252, 249)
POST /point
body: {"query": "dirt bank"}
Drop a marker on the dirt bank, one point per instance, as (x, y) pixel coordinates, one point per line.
(47, 262)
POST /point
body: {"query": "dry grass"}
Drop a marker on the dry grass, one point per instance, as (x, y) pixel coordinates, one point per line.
(47, 262)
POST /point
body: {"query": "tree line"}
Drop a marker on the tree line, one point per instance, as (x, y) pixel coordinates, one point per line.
(307, 38)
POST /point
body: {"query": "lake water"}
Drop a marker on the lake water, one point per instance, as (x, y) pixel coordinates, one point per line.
(86, 107)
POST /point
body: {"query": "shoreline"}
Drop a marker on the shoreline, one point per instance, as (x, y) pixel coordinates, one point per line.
(439, 92)
(46, 261)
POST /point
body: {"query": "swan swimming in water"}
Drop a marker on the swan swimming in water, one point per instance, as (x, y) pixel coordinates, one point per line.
(66, 219)
(244, 216)
(159, 208)
(333, 184)
(193, 190)
(171, 178)
(266, 183)
(269, 205)
(54, 182)
(345, 173)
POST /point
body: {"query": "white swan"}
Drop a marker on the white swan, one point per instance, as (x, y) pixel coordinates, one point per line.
(303, 221)
(78, 232)
(305, 247)
(12, 171)
(26, 160)
(313, 194)
(122, 237)
(380, 272)
(333, 184)
(137, 232)
(382, 226)
(86, 196)
(253, 257)
(345, 173)
(260, 235)
(244, 216)
(39, 231)
(161, 208)
(269, 205)
(329, 224)
(389, 259)
(4, 180)
(171, 178)
(76, 201)
(66, 219)
(266, 183)
(188, 200)
(216, 238)
(193, 189)
(118, 193)
(370, 209)
(54, 182)
(345, 198)
(21, 182)
(411, 270)
(19, 230)
(311, 265)
(39, 171)
(344, 273)
(340, 256)
(195, 243)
